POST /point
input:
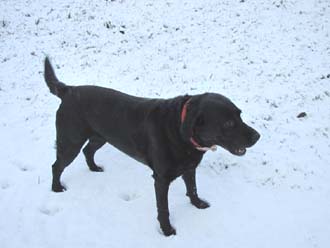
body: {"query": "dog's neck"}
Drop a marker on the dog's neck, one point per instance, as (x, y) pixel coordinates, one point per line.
(191, 139)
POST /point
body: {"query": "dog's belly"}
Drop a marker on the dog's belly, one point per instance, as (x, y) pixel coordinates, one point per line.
(131, 152)
(123, 138)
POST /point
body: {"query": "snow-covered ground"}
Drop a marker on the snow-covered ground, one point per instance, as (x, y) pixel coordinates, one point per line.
(272, 58)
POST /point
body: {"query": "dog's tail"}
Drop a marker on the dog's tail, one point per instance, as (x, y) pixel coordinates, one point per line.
(55, 86)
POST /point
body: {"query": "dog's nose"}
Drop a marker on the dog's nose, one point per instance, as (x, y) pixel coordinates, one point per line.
(255, 137)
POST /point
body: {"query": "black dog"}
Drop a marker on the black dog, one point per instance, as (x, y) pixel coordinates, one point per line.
(168, 135)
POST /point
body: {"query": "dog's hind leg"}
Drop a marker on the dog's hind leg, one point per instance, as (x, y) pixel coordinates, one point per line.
(189, 178)
(71, 134)
(95, 143)
(66, 153)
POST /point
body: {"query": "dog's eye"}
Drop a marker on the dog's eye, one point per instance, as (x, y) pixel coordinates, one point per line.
(229, 124)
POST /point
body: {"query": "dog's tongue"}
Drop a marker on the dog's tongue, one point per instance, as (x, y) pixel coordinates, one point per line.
(205, 149)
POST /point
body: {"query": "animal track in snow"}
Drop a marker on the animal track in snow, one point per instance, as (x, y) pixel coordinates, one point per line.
(22, 167)
(50, 211)
(129, 196)
(4, 185)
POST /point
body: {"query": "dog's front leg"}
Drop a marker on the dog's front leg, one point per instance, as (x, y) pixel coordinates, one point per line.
(189, 178)
(161, 188)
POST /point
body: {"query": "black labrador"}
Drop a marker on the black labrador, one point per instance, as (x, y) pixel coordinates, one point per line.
(168, 135)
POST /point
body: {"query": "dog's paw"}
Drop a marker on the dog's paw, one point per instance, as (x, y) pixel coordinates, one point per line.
(96, 168)
(199, 203)
(168, 231)
(58, 188)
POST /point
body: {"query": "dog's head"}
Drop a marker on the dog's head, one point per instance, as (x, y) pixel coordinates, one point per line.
(213, 119)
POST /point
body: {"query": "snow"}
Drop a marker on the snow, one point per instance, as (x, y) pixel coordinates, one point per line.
(270, 57)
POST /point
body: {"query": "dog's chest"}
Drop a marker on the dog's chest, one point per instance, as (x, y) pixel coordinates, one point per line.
(185, 163)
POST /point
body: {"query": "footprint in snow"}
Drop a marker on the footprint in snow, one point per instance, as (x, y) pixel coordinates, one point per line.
(21, 166)
(129, 197)
(50, 211)
(4, 185)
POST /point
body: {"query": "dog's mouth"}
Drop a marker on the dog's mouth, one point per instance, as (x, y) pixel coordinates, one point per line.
(238, 151)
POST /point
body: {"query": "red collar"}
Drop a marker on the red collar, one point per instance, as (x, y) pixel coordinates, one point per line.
(192, 140)
(184, 110)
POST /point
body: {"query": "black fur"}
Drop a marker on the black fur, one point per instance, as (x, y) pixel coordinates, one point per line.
(148, 130)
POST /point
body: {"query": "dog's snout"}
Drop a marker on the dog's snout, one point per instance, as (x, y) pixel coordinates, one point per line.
(255, 137)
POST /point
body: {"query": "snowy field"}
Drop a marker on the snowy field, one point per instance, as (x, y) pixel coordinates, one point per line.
(272, 58)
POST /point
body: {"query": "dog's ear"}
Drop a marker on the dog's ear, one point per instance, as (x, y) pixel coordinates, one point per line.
(193, 117)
